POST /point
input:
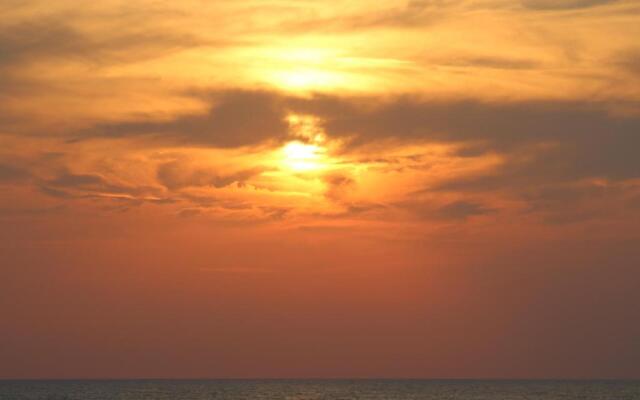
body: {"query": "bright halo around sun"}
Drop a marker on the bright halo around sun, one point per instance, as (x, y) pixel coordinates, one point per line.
(301, 79)
(302, 157)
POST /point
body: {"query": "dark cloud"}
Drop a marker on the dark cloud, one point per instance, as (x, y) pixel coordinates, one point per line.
(563, 4)
(235, 119)
(53, 41)
(485, 61)
(629, 61)
(58, 193)
(30, 211)
(558, 199)
(503, 125)
(551, 151)
(189, 212)
(573, 202)
(542, 143)
(462, 210)
(570, 193)
(68, 179)
(50, 42)
(70, 185)
(355, 210)
(35, 40)
(607, 154)
(459, 210)
(53, 38)
(416, 13)
(274, 213)
(540, 139)
(9, 174)
(178, 174)
(337, 185)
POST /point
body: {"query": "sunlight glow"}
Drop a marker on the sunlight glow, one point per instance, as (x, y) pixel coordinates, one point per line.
(298, 79)
(299, 156)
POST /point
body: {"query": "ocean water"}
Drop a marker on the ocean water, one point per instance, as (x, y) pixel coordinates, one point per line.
(319, 390)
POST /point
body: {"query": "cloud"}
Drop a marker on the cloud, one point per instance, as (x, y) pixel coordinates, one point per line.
(29, 41)
(38, 52)
(11, 174)
(485, 61)
(235, 119)
(546, 189)
(67, 179)
(545, 147)
(30, 211)
(354, 210)
(541, 139)
(53, 38)
(540, 143)
(629, 61)
(337, 185)
(178, 174)
(189, 212)
(459, 210)
(563, 4)
(462, 210)
(34, 48)
(414, 14)
(70, 185)
(575, 202)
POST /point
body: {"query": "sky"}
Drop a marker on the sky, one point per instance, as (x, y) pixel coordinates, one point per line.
(351, 189)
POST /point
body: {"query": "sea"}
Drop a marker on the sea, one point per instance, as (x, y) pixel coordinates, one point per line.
(379, 389)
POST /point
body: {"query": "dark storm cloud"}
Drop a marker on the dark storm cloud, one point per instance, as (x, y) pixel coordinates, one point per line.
(235, 119)
(563, 4)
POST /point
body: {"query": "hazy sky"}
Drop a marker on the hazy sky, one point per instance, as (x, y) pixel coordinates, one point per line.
(298, 188)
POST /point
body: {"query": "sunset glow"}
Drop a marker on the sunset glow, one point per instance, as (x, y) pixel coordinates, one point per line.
(302, 157)
(406, 188)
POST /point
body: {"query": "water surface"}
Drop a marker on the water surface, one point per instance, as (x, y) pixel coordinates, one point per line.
(318, 390)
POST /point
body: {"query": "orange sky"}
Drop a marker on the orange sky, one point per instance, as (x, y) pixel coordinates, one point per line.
(424, 188)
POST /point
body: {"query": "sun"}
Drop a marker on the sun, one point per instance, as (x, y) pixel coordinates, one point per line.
(301, 157)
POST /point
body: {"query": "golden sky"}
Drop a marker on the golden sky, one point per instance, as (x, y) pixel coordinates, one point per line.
(280, 188)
